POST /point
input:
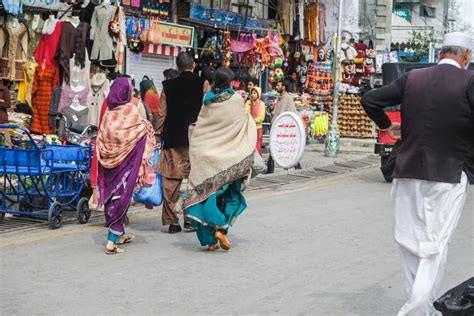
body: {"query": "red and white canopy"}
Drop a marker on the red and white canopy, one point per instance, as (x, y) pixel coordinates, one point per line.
(163, 49)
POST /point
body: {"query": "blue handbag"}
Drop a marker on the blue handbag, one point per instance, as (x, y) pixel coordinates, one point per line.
(151, 195)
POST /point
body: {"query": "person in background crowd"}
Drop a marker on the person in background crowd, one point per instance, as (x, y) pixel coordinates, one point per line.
(170, 73)
(239, 87)
(285, 102)
(125, 145)
(144, 111)
(256, 108)
(181, 101)
(208, 74)
(150, 98)
(434, 163)
(5, 103)
(295, 83)
(251, 83)
(222, 143)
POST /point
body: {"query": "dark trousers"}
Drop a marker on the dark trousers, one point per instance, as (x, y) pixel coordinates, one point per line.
(170, 198)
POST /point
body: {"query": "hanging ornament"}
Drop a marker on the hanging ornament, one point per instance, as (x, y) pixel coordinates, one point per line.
(278, 62)
(279, 74)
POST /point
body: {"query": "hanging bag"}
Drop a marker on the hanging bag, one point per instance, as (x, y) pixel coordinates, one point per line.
(258, 166)
(152, 34)
(134, 43)
(152, 195)
(114, 25)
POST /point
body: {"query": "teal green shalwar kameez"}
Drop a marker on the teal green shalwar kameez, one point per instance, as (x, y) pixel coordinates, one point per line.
(219, 211)
(221, 156)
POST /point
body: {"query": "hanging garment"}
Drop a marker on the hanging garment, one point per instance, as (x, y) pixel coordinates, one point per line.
(67, 94)
(426, 216)
(48, 44)
(53, 108)
(286, 13)
(103, 46)
(121, 40)
(14, 7)
(73, 41)
(322, 23)
(43, 85)
(311, 18)
(34, 34)
(26, 85)
(5, 103)
(80, 76)
(13, 47)
(74, 117)
(29, 70)
(85, 13)
(97, 94)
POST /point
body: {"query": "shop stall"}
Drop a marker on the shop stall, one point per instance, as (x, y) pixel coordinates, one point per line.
(57, 62)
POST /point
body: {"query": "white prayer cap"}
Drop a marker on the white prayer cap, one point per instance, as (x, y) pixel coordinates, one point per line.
(458, 39)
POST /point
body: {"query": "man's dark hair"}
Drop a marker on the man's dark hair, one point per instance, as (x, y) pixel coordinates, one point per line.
(222, 79)
(184, 61)
(170, 73)
(287, 84)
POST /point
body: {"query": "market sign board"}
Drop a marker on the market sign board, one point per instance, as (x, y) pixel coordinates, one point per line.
(287, 140)
(176, 34)
(404, 13)
(223, 19)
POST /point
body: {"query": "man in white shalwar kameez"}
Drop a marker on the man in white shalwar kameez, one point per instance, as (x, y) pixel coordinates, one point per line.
(433, 163)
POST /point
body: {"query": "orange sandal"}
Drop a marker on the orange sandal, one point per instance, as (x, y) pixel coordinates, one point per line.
(223, 241)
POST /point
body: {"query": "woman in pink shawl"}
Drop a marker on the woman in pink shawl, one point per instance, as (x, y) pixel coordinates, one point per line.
(125, 145)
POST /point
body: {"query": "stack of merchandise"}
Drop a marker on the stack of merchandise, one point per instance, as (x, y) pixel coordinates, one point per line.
(352, 120)
(18, 119)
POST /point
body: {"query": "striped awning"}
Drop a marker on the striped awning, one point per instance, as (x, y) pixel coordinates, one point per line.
(163, 49)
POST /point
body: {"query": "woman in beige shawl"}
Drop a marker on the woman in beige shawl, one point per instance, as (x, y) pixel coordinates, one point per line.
(221, 152)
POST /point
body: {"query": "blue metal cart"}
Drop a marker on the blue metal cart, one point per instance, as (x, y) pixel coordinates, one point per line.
(35, 177)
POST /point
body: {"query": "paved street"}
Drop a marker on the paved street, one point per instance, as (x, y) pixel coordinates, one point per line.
(316, 248)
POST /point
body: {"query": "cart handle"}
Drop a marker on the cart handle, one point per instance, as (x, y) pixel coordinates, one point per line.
(24, 130)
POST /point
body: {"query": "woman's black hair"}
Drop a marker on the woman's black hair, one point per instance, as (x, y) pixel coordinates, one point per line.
(222, 79)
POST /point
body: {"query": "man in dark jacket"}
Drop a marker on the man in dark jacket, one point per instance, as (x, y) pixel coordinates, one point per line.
(432, 165)
(180, 104)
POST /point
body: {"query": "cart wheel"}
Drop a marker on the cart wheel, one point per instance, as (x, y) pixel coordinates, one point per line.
(54, 215)
(83, 212)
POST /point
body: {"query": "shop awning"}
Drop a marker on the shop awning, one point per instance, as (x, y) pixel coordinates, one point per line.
(163, 49)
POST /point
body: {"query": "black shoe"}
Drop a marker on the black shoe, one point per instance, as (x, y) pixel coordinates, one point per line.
(174, 228)
(188, 228)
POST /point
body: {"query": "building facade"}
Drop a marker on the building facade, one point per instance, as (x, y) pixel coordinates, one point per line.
(429, 16)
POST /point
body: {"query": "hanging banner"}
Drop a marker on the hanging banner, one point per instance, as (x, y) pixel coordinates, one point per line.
(287, 140)
(221, 18)
(175, 34)
(46, 4)
(160, 8)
